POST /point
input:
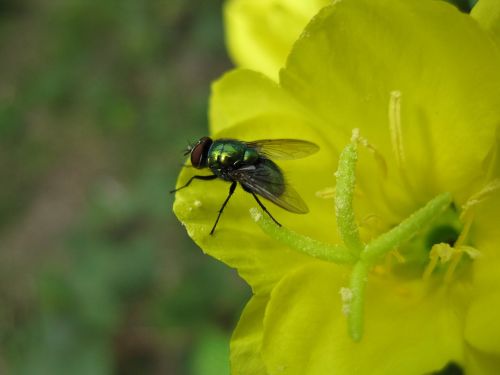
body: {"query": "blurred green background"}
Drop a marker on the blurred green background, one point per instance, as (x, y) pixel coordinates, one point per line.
(97, 102)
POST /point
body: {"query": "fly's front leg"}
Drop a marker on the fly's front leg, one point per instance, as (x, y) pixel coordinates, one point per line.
(231, 191)
(204, 178)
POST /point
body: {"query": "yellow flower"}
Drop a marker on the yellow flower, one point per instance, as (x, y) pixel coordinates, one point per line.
(421, 82)
(487, 13)
(260, 33)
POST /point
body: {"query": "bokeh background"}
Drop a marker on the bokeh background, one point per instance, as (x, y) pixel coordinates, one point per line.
(98, 99)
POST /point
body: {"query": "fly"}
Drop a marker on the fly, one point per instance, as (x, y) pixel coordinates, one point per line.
(250, 164)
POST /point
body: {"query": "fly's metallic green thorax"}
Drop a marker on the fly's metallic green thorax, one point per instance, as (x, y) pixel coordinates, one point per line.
(249, 164)
(226, 155)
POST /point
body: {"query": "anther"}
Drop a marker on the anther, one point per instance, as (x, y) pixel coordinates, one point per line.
(379, 158)
(395, 127)
(480, 196)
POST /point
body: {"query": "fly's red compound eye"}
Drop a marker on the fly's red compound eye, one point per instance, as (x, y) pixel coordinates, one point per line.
(199, 153)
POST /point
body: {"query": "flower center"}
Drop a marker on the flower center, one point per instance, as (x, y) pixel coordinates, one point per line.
(429, 251)
(433, 238)
(354, 251)
(450, 369)
(442, 234)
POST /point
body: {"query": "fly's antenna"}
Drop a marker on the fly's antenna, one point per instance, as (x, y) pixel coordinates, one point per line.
(189, 147)
(187, 150)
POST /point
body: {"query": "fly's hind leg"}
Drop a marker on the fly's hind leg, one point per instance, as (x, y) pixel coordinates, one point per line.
(264, 208)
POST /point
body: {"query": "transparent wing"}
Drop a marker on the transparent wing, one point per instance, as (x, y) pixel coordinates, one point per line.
(262, 180)
(284, 148)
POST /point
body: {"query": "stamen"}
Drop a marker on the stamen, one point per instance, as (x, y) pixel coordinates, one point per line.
(452, 254)
(434, 257)
(480, 196)
(372, 224)
(492, 161)
(379, 158)
(465, 230)
(326, 193)
(395, 128)
(440, 252)
(453, 266)
(472, 252)
(396, 254)
(458, 244)
(467, 217)
(444, 251)
(388, 265)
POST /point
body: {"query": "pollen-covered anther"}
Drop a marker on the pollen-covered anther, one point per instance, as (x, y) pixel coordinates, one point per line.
(397, 255)
(355, 135)
(441, 252)
(395, 127)
(472, 252)
(326, 193)
(444, 252)
(346, 297)
(255, 214)
(371, 224)
(451, 255)
(479, 197)
(387, 266)
(379, 158)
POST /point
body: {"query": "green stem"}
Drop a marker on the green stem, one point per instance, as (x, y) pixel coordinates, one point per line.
(407, 229)
(344, 191)
(332, 253)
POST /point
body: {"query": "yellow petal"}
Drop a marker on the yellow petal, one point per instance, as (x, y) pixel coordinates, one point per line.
(246, 357)
(260, 33)
(482, 328)
(487, 13)
(243, 94)
(479, 363)
(407, 330)
(485, 236)
(354, 54)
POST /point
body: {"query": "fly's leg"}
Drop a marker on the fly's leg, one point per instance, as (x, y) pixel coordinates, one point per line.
(231, 191)
(205, 178)
(264, 208)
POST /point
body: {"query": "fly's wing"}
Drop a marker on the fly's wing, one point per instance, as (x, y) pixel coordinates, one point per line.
(284, 148)
(266, 180)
